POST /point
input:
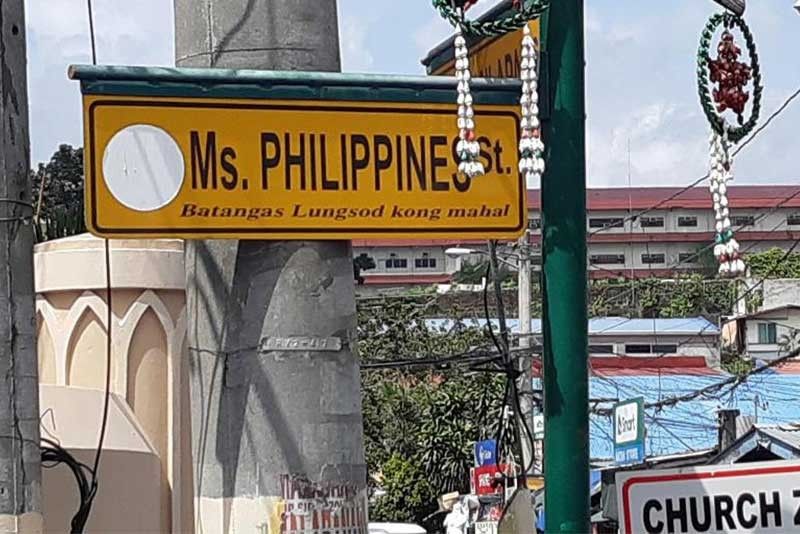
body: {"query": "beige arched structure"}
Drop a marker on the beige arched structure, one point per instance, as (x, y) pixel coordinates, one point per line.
(148, 328)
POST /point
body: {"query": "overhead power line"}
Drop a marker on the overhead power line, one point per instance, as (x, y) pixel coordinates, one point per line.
(697, 182)
(714, 389)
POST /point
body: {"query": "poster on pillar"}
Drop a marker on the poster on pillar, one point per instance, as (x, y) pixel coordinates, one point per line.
(196, 153)
(761, 497)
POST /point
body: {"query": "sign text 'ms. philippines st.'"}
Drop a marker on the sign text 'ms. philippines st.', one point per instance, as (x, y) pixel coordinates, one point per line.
(197, 154)
(761, 497)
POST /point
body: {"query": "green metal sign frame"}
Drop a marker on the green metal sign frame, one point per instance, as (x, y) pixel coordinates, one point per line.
(226, 83)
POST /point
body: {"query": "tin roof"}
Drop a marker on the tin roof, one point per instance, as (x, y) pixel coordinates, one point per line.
(611, 326)
(642, 198)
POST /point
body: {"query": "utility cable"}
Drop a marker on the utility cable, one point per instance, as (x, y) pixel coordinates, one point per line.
(52, 453)
(697, 182)
(733, 382)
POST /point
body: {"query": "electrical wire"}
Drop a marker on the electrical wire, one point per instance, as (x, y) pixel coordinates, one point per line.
(511, 372)
(696, 254)
(709, 391)
(697, 182)
(52, 453)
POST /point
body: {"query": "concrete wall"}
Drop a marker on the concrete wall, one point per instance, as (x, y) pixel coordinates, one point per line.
(131, 488)
(779, 292)
(148, 349)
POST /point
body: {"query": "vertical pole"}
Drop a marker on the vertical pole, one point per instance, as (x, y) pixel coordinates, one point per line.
(524, 385)
(566, 388)
(277, 435)
(20, 465)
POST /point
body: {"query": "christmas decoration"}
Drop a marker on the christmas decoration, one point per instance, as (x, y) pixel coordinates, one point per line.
(467, 148)
(531, 148)
(731, 78)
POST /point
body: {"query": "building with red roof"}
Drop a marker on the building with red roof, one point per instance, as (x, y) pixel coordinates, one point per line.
(631, 232)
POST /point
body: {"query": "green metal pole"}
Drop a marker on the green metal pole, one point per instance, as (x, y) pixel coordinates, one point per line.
(566, 384)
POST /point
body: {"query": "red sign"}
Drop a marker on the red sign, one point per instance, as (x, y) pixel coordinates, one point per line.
(488, 479)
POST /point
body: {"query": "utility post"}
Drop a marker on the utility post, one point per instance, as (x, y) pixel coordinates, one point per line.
(20, 459)
(272, 426)
(566, 387)
(524, 384)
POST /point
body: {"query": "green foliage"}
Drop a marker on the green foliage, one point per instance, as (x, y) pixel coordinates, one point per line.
(420, 425)
(474, 272)
(733, 363)
(362, 262)
(58, 194)
(690, 295)
(774, 263)
(408, 496)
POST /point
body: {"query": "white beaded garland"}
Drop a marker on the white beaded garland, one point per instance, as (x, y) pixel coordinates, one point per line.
(727, 248)
(468, 149)
(531, 148)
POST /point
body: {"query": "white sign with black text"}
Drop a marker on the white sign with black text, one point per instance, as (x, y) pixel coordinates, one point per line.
(538, 426)
(627, 423)
(759, 497)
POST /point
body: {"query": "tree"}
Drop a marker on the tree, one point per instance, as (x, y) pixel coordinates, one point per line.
(420, 424)
(58, 195)
(774, 263)
(473, 273)
(362, 262)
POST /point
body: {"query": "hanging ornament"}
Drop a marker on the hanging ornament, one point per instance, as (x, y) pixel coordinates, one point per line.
(467, 148)
(531, 148)
(726, 248)
(731, 78)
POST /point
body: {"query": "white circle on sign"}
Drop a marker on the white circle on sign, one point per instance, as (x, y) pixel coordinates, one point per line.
(143, 167)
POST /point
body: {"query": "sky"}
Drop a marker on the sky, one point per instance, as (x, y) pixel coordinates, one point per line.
(644, 123)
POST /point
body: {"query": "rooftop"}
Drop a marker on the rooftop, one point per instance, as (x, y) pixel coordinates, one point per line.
(611, 326)
(769, 311)
(641, 198)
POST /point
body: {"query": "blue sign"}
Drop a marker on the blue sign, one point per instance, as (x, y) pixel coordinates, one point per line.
(486, 453)
(629, 432)
(629, 454)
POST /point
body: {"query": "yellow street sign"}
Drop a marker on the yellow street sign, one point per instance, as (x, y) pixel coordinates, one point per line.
(495, 57)
(168, 166)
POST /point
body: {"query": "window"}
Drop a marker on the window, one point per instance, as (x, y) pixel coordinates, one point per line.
(665, 349)
(536, 259)
(657, 349)
(607, 259)
(601, 349)
(609, 222)
(648, 259)
(396, 263)
(687, 222)
(687, 257)
(638, 349)
(651, 222)
(743, 220)
(425, 262)
(767, 333)
(534, 224)
(793, 219)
